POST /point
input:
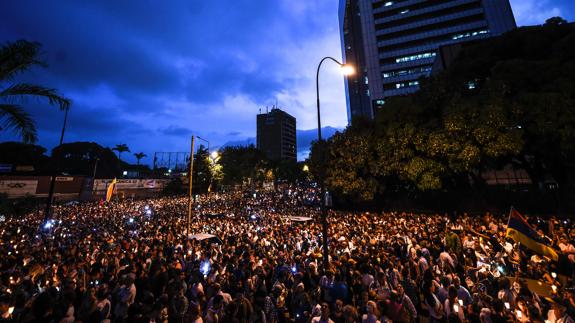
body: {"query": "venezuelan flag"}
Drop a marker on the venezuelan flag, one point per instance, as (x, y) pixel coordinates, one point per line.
(519, 230)
(110, 190)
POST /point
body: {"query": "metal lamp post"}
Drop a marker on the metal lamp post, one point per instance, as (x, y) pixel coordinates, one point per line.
(347, 70)
(48, 211)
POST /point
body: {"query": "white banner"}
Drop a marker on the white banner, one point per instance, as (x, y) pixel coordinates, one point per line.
(121, 184)
(18, 188)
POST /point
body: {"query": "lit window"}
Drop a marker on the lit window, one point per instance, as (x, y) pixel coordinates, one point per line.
(469, 34)
(415, 57)
(424, 69)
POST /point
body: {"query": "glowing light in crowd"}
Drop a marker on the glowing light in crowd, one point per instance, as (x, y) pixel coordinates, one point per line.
(205, 267)
(49, 224)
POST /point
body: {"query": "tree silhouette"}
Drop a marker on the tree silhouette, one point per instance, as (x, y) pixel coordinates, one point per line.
(15, 58)
(139, 156)
(121, 148)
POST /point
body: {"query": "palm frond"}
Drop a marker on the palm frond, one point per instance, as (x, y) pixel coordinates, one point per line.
(13, 117)
(21, 91)
(17, 57)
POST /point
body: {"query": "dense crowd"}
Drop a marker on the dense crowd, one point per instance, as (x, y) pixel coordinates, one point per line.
(133, 261)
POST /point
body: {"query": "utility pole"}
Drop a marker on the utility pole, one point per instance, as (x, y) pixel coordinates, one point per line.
(48, 212)
(190, 192)
(95, 167)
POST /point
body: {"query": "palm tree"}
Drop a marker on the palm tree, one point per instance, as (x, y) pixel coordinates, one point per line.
(15, 58)
(121, 148)
(139, 156)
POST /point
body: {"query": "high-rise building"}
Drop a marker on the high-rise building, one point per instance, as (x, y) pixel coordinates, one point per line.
(392, 43)
(276, 135)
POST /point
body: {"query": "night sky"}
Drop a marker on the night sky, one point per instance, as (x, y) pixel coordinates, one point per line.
(151, 73)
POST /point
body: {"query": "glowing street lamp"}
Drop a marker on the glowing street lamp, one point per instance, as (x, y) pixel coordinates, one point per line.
(346, 70)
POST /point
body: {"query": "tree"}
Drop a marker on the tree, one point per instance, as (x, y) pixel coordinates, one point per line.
(139, 156)
(18, 153)
(555, 21)
(290, 171)
(202, 170)
(121, 148)
(15, 58)
(243, 164)
(79, 158)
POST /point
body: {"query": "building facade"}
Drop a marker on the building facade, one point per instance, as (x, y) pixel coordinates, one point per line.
(394, 43)
(276, 135)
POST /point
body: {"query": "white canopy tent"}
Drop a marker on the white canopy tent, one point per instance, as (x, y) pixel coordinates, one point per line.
(201, 236)
(300, 219)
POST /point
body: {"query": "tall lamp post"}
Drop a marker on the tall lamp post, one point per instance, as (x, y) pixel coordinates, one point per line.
(189, 221)
(346, 70)
(48, 211)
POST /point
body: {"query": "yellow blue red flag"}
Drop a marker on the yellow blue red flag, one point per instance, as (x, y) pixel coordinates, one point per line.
(519, 230)
(110, 190)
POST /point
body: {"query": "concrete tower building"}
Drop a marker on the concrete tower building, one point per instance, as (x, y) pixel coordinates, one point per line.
(276, 135)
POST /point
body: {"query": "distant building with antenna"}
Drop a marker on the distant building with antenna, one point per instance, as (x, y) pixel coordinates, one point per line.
(276, 134)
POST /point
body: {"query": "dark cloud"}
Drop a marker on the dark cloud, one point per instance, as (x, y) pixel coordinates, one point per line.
(176, 131)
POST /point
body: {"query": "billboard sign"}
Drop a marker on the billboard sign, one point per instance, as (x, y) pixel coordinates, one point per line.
(18, 188)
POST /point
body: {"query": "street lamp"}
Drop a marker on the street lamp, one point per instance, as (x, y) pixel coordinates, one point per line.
(48, 211)
(205, 141)
(346, 70)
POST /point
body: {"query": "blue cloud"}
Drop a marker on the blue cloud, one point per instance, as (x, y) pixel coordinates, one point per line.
(177, 131)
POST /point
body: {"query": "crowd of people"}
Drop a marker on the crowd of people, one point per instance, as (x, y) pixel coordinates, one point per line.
(135, 261)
